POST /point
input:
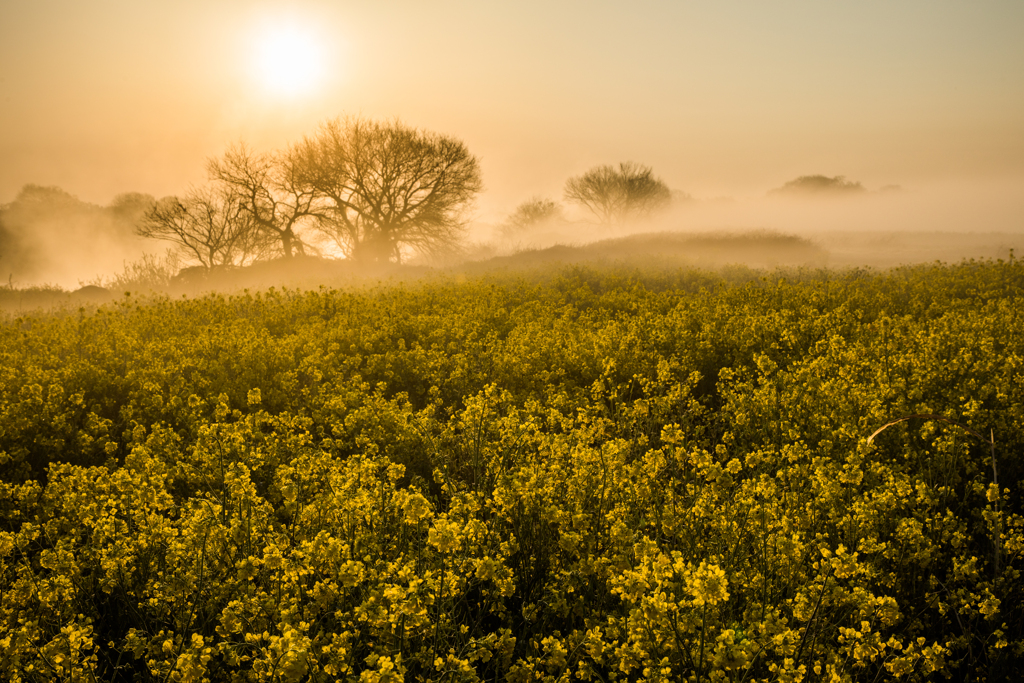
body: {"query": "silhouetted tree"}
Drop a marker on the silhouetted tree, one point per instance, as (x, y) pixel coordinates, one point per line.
(615, 195)
(211, 225)
(269, 191)
(530, 215)
(387, 186)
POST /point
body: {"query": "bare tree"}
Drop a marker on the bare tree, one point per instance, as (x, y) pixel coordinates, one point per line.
(211, 225)
(529, 215)
(615, 195)
(270, 192)
(388, 187)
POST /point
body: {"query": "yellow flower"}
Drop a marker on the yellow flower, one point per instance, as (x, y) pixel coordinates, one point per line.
(416, 508)
(992, 493)
(444, 535)
(708, 584)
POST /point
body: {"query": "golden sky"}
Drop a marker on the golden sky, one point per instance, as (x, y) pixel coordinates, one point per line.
(721, 98)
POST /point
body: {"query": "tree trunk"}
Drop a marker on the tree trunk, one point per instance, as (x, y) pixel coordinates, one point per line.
(373, 249)
(286, 242)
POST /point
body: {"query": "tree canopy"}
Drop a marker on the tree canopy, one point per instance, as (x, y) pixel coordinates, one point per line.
(616, 195)
(529, 215)
(373, 188)
(269, 192)
(386, 186)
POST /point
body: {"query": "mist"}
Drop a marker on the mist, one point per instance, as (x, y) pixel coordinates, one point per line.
(50, 237)
(879, 226)
(726, 104)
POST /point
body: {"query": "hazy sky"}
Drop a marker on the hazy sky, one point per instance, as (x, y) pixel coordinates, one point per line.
(721, 98)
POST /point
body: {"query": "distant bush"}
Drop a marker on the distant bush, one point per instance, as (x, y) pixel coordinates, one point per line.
(149, 273)
(529, 216)
(820, 184)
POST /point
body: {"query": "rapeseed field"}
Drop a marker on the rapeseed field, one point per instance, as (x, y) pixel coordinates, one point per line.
(596, 474)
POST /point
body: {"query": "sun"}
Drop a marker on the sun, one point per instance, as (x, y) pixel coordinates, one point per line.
(290, 60)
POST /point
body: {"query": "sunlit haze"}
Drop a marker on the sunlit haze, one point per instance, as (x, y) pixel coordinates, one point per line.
(518, 340)
(724, 100)
(288, 59)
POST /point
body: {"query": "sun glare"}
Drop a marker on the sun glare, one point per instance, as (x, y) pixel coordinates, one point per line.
(290, 61)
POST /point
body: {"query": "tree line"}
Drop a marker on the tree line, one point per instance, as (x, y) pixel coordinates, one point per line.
(374, 190)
